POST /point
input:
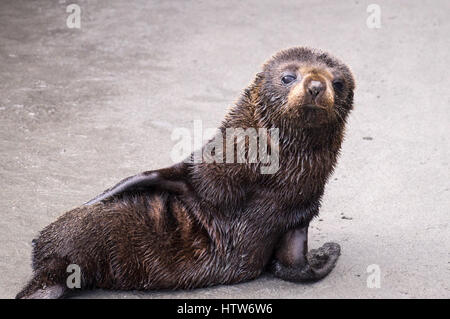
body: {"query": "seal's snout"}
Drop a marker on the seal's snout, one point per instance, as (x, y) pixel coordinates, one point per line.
(315, 88)
(317, 91)
(314, 91)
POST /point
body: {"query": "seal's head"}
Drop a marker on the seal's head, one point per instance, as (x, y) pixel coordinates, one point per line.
(304, 87)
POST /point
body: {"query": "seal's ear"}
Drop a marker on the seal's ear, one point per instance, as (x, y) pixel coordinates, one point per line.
(171, 179)
(252, 93)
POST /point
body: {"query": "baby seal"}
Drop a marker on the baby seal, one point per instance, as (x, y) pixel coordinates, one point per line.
(204, 223)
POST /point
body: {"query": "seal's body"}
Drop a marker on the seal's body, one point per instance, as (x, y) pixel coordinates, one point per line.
(201, 224)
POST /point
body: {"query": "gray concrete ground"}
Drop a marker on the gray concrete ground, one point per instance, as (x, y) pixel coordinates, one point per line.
(81, 109)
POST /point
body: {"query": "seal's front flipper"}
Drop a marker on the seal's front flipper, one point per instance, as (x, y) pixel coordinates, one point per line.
(172, 179)
(294, 263)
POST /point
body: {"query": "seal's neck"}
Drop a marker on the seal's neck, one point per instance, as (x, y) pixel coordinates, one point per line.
(311, 139)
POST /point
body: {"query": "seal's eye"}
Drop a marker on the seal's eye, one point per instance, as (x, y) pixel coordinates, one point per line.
(338, 85)
(288, 78)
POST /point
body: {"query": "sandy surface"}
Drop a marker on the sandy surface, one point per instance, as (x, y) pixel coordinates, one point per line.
(82, 109)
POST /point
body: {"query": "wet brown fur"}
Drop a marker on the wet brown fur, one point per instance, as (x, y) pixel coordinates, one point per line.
(227, 223)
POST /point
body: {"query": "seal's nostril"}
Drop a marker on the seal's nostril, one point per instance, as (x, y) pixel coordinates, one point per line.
(315, 87)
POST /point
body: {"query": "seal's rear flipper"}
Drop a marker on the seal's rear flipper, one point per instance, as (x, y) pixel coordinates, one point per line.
(172, 179)
(320, 263)
(52, 292)
(293, 262)
(38, 288)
